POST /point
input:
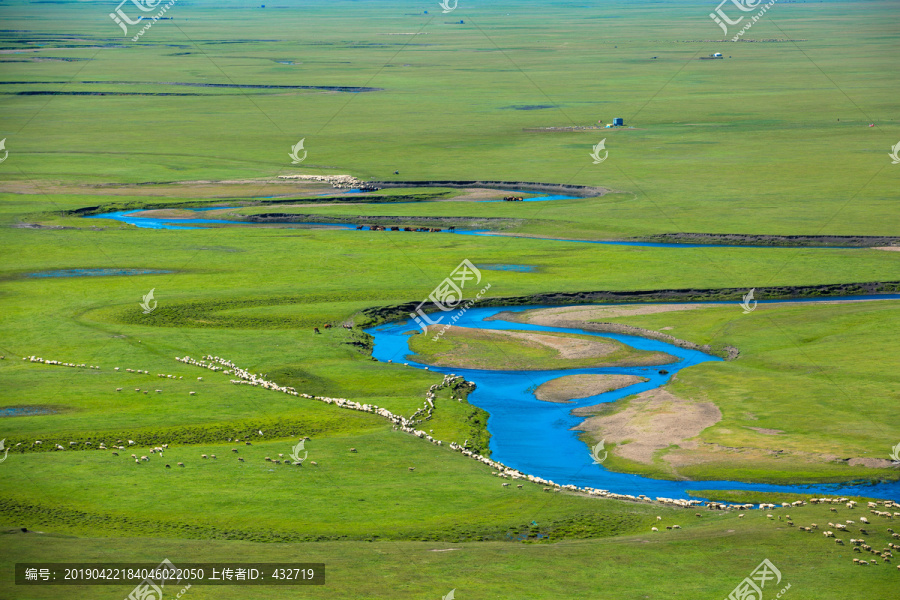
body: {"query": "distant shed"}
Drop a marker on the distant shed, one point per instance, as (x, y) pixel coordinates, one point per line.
(618, 121)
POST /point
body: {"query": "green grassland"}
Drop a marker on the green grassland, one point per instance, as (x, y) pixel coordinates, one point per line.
(720, 146)
(749, 144)
(672, 564)
(820, 376)
(477, 349)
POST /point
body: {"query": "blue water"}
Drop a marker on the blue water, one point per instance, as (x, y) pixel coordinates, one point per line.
(95, 272)
(535, 437)
(175, 223)
(543, 198)
(502, 267)
(164, 222)
(25, 411)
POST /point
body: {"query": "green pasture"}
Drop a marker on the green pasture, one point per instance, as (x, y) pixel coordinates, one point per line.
(477, 349)
(732, 145)
(773, 139)
(708, 557)
(818, 380)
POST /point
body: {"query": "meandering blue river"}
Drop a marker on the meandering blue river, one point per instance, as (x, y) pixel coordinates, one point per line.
(144, 222)
(536, 437)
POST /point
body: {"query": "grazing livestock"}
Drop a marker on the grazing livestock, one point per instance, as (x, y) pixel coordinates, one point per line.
(192, 393)
(168, 466)
(115, 453)
(234, 449)
(654, 529)
(352, 449)
(240, 459)
(203, 456)
(180, 464)
(413, 469)
(212, 456)
(314, 463)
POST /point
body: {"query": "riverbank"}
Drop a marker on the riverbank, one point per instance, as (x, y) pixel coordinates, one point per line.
(471, 348)
(382, 314)
(797, 241)
(574, 387)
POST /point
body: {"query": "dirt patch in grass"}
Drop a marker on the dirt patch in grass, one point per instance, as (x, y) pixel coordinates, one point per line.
(650, 422)
(571, 387)
(477, 195)
(558, 317)
(566, 346)
(519, 350)
(872, 463)
(765, 431)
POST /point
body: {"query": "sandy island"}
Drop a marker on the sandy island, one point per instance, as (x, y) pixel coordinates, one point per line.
(573, 387)
(650, 422)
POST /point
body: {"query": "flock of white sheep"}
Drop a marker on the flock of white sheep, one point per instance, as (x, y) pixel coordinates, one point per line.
(407, 425)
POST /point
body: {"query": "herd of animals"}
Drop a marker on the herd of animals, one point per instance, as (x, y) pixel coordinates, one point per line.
(420, 229)
(862, 523)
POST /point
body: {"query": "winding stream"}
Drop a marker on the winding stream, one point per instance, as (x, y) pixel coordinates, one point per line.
(535, 437)
(143, 222)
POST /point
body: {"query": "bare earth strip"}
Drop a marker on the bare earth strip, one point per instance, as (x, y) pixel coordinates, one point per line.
(566, 346)
(552, 316)
(572, 387)
(580, 317)
(652, 421)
